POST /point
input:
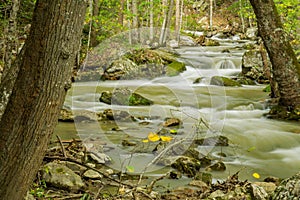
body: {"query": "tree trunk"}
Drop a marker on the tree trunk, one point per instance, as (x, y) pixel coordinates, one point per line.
(94, 31)
(166, 24)
(177, 19)
(38, 92)
(286, 69)
(121, 12)
(151, 21)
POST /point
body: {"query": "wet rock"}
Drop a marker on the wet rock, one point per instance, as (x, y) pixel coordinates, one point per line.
(224, 81)
(204, 176)
(175, 68)
(128, 143)
(174, 175)
(212, 141)
(210, 42)
(186, 165)
(218, 194)
(119, 68)
(172, 122)
(117, 115)
(66, 115)
(219, 166)
(73, 166)
(186, 40)
(198, 80)
(92, 174)
(62, 177)
(124, 97)
(173, 44)
(288, 189)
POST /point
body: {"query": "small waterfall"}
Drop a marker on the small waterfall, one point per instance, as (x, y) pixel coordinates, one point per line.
(225, 64)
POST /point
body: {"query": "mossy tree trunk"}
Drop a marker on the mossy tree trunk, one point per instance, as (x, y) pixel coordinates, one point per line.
(45, 70)
(286, 69)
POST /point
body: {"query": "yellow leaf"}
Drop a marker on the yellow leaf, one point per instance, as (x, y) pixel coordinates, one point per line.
(153, 137)
(172, 131)
(166, 138)
(145, 141)
(256, 175)
(130, 168)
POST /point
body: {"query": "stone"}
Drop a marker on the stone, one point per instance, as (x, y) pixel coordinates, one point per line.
(219, 166)
(204, 176)
(99, 158)
(118, 115)
(186, 40)
(186, 165)
(175, 68)
(252, 66)
(212, 141)
(258, 192)
(269, 187)
(62, 177)
(66, 115)
(251, 33)
(123, 96)
(224, 81)
(172, 122)
(200, 184)
(92, 174)
(288, 189)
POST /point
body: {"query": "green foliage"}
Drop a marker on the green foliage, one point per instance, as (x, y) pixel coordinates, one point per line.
(38, 190)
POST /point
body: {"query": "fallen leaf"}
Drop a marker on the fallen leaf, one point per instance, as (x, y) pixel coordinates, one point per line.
(166, 138)
(153, 137)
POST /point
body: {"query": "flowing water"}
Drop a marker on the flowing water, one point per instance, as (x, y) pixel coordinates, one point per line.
(257, 144)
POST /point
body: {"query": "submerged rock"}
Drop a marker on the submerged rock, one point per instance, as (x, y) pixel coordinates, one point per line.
(124, 97)
(172, 122)
(62, 177)
(175, 68)
(212, 141)
(224, 81)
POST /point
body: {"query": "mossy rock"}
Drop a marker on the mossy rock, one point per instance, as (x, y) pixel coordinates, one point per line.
(281, 112)
(124, 97)
(267, 88)
(186, 165)
(224, 81)
(175, 68)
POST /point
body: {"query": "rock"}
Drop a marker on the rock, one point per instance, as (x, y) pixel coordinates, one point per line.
(62, 177)
(288, 189)
(117, 115)
(212, 141)
(204, 176)
(219, 166)
(92, 174)
(73, 166)
(66, 115)
(224, 81)
(172, 122)
(186, 41)
(267, 186)
(198, 80)
(258, 192)
(251, 33)
(186, 165)
(175, 68)
(199, 184)
(99, 158)
(123, 96)
(174, 175)
(173, 44)
(252, 66)
(218, 194)
(210, 42)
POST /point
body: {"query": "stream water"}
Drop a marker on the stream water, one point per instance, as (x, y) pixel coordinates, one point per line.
(257, 144)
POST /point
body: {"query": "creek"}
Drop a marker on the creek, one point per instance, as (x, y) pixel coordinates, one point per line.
(257, 144)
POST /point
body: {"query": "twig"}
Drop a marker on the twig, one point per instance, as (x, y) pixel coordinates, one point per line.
(98, 192)
(62, 146)
(150, 187)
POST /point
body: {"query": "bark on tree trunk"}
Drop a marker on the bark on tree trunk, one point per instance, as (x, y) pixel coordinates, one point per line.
(38, 93)
(286, 69)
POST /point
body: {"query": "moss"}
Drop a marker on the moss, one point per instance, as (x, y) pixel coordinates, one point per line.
(281, 112)
(175, 68)
(224, 81)
(136, 100)
(267, 88)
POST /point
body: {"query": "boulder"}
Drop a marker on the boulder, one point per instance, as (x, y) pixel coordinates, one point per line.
(92, 174)
(66, 115)
(251, 33)
(224, 81)
(175, 68)
(252, 66)
(62, 177)
(118, 115)
(186, 40)
(172, 122)
(124, 97)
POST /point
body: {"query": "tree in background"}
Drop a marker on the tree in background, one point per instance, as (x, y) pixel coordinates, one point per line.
(286, 69)
(45, 69)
